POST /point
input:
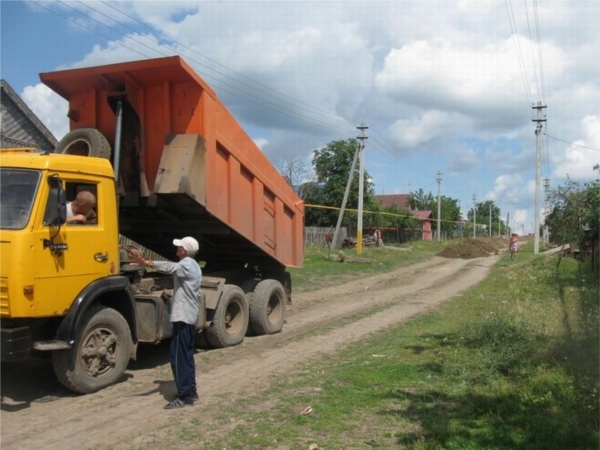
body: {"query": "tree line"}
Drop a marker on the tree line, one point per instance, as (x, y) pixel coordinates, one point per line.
(325, 192)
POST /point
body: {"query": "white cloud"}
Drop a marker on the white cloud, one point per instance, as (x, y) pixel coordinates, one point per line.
(49, 107)
(464, 161)
(431, 124)
(575, 160)
(260, 142)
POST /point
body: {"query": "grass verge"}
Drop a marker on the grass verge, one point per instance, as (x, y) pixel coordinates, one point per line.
(322, 267)
(511, 364)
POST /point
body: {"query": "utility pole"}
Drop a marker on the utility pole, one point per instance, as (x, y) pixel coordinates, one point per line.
(538, 165)
(490, 220)
(361, 180)
(507, 223)
(474, 217)
(546, 188)
(346, 193)
(439, 214)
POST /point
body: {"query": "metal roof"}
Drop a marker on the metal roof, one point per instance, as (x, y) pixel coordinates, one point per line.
(19, 126)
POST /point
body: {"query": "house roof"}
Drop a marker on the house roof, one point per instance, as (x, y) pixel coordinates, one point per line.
(423, 214)
(19, 126)
(401, 201)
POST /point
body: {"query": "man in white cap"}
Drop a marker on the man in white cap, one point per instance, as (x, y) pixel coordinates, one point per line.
(187, 276)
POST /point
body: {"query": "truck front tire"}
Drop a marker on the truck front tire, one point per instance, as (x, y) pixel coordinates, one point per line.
(231, 318)
(84, 142)
(100, 354)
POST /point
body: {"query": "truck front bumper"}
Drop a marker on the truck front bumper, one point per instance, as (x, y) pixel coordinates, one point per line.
(15, 343)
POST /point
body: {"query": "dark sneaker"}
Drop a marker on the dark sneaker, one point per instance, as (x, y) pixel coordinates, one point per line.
(193, 396)
(179, 403)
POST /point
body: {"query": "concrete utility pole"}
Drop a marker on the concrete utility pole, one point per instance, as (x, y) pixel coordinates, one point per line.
(439, 214)
(361, 156)
(546, 188)
(474, 216)
(538, 165)
(346, 193)
(507, 223)
(490, 233)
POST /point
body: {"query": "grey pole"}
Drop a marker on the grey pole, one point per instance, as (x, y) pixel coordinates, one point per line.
(346, 193)
(538, 165)
(474, 217)
(439, 212)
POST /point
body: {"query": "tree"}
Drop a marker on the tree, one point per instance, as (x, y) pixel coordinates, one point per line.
(483, 212)
(294, 170)
(450, 208)
(574, 212)
(331, 165)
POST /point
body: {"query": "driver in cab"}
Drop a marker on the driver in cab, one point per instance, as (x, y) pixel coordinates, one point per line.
(81, 210)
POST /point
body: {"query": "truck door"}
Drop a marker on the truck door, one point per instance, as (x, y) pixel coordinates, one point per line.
(61, 275)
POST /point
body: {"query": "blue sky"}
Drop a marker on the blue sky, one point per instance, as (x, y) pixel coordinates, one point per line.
(443, 86)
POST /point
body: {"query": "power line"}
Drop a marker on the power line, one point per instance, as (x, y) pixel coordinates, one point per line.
(520, 59)
(572, 143)
(242, 94)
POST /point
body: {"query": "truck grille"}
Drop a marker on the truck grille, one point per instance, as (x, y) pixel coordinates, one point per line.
(4, 305)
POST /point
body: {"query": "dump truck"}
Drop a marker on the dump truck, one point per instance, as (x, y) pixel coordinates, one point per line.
(165, 159)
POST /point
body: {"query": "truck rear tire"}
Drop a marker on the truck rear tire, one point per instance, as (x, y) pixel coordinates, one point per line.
(231, 318)
(100, 354)
(248, 287)
(84, 142)
(267, 310)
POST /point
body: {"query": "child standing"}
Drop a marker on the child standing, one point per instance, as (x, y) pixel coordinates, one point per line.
(513, 246)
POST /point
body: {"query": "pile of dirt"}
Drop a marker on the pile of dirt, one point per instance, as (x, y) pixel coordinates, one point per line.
(475, 248)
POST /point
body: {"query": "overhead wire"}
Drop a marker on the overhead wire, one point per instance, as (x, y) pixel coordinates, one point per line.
(537, 84)
(379, 142)
(572, 143)
(263, 88)
(241, 93)
(325, 114)
(520, 59)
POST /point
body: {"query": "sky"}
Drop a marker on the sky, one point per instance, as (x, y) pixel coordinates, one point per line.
(443, 86)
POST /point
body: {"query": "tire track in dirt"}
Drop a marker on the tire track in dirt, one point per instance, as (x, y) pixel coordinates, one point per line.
(128, 414)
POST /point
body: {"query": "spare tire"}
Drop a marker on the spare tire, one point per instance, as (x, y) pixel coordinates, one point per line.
(85, 142)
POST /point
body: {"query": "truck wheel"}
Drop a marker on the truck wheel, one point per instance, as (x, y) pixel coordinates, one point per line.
(100, 354)
(84, 142)
(230, 322)
(248, 287)
(267, 310)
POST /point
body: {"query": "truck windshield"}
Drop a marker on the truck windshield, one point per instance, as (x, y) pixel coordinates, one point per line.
(17, 192)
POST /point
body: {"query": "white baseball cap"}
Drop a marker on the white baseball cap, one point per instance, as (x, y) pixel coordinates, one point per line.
(189, 244)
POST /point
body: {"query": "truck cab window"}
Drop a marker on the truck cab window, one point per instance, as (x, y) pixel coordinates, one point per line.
(17, 193)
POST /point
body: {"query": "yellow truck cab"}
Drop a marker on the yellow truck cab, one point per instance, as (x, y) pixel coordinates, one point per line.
(50, 270)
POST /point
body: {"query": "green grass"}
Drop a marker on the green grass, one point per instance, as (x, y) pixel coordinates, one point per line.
(322, 268)
(511, 364)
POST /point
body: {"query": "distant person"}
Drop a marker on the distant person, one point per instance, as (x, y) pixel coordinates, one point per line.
(329, 239)
(378, 238)
(187, 277)
(514, 246)
(81, 210)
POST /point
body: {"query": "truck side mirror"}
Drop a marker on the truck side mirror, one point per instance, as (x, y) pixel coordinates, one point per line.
(56, 205)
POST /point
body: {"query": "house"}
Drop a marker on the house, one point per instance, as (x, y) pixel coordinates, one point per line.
(402, 202)
(19, 126)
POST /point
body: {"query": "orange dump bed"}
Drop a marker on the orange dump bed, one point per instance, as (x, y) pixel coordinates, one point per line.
(186, 166)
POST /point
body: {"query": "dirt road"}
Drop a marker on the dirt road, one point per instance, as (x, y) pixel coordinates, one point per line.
(38, 413)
